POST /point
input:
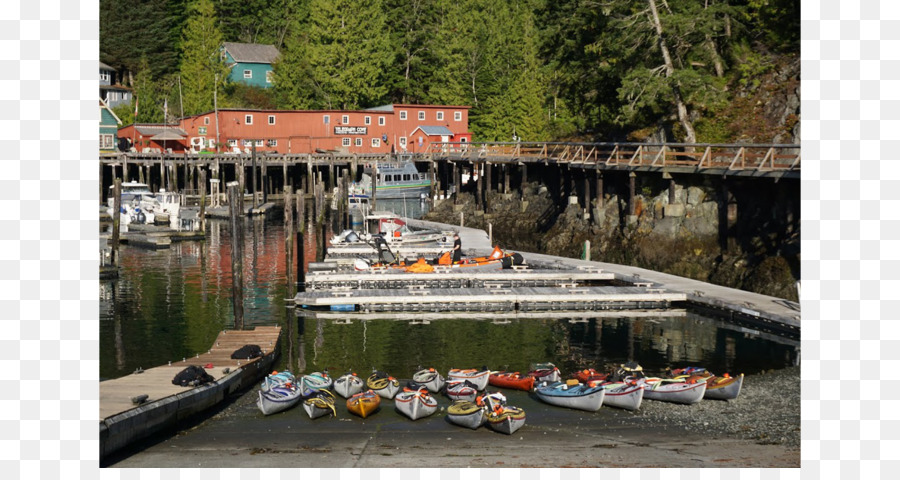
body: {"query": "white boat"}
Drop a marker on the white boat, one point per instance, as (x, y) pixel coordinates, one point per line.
(623, 395)
(140, 205)
(572, 395)
(415, 404)
(478, 377)
(396, 179)
(502, 417)
(430, 378)
(276, 379)
(320, 404)
(277, 399)
(383, 384)
(466, 414)
(310, 384)
(461, 390)
(671, 390)
(348, 385)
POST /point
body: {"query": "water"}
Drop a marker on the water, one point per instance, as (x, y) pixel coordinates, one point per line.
(169, 304)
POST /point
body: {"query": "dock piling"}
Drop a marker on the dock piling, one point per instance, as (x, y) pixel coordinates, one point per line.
(235, 204)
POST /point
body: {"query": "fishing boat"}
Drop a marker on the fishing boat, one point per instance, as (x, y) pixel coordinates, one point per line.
(364, 403)
(621, 394)
(461, 390)
(544, 373)
(415, 404)
(275, 379)
(395, 179)
(348, 384)
(723, 387)
(513, 380)
(279, 398)
(572, 394)
(479, 378)
(431, 378)
(310, 384)
(466, 414)
(320, 404)
(671, 390)
(140, 205)
(383, 384)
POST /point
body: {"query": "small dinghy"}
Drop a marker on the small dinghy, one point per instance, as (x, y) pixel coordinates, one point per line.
(364, 403)
(461, 390)
(320, 404)
(513, 380)
(544, 372)
(275, 379)
(466, 414)
(429, 377)
(478, 377)
(621, 394)
(415, 404)
(310, 384)
(723, 387)
(502, 417)
(278, 399)
(572, 394)
(671, 390)
(348, 385)
(383, 384)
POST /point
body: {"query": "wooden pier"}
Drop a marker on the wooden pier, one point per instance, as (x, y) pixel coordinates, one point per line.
(445, 277)
(125, 417)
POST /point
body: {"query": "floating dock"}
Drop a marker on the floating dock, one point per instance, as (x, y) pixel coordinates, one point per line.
(125, 418)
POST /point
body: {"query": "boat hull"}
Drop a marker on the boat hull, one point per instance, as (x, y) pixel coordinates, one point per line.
(277, 399)
(508, 422)
(364, 404)
(461, 391)
(384, 387)
(415, 405)
(348, 385)
(431, 379)
(674, 392)
(466, 414)
(721, 388)
(512, 380)
(623, 395)
(579, 397)
(478, 377)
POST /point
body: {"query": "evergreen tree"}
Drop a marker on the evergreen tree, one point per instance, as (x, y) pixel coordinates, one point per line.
(202, 69)
(148, 95)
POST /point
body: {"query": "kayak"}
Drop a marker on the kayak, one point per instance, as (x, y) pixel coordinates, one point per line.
(312, 383)
(320, 404)
(478, 377)
(415, 404)
(512, 380)
(621, 394)
(466, 414)
(348, 384)
(383, 384)
(278, 399)
(671, 390)
(544, 372)
(572, 394)
(429, 377)
(364, 403)
(461, 390)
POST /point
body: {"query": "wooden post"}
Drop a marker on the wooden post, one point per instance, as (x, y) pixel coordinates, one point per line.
(237, 243)
(117, 219)
(524, 181)
(301, 253)
(631, 187)
(505, 178)
(124, 168)
(432, 179)
(456, 183)
(671, 191)
(373, 196)
(253, 172)
(599, 180)
(479, 205)
(289, 241)
(265, 178)
(587, 192)
(241, 184)
(487, 186)
(202, 199)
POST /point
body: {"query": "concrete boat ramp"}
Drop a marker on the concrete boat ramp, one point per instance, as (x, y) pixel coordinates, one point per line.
(145, 402)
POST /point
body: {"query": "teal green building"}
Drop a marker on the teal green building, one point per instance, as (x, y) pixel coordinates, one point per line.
(249, 63)
(109, 128)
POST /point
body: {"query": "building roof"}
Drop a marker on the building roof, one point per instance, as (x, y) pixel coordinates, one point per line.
(251, 52)
(151, 130)
(104, 106)
(382, 108)
(434, 130)
(104, 66)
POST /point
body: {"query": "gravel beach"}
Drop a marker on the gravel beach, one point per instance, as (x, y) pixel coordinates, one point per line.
(761, 428)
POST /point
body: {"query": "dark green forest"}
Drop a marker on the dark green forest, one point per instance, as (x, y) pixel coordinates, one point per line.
(543, 70)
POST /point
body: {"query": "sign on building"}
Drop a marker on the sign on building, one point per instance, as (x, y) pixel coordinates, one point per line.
(350, 130)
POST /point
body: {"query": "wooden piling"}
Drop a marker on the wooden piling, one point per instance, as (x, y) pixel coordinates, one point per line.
(202, 199)
(487, 186)
(301, 250)
(235, 204)
(598, 177)
(456, 183)
(117, 220)
(479, 204)
(289, 241)
(253, 173)
(631, 187)
(523, 182)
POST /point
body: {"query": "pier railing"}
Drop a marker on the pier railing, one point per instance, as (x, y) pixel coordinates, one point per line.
(747, 159)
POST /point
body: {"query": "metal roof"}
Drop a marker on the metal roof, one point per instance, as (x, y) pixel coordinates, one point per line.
(382, 108)
(434, 130)
(150, 130)
(251, 52)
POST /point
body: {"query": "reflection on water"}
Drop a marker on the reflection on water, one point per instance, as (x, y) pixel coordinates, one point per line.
(169, 304)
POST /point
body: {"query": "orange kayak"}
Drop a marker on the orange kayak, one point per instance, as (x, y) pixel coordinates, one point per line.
(364, 403)
(513, 380)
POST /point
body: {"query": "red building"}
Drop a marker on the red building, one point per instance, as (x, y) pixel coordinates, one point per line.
(385, 129)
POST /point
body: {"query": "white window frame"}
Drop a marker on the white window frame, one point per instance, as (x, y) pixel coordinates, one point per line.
(421, 114)
(206, 120)
(260, 143)
(269, 75)
(358, 142)
(248, 119)
(402, 114)
(402, 141)
(376, 142)
(272, 142)
(440, 116)
(248, 73)
(345, 142)
(345, 119)
(246, 143)
(326, 119)
(232, 143)
(381, 121)
(104, 75)
(463, 140)
(106, 141)
(367, 120)
(457, 116)
(271, 119)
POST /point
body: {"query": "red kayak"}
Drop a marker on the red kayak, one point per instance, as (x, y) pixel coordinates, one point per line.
(513, 380)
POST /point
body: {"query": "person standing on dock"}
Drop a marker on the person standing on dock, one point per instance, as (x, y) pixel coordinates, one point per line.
(457, 248)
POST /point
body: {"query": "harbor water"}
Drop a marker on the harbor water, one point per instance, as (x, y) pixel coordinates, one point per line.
(171, 303)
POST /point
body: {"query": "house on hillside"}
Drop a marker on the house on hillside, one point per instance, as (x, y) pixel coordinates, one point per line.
(111, 92)
(109, 128)
(249, 63)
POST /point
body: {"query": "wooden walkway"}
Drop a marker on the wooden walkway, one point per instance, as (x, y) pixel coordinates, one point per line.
(122, 421)
(459, 278)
